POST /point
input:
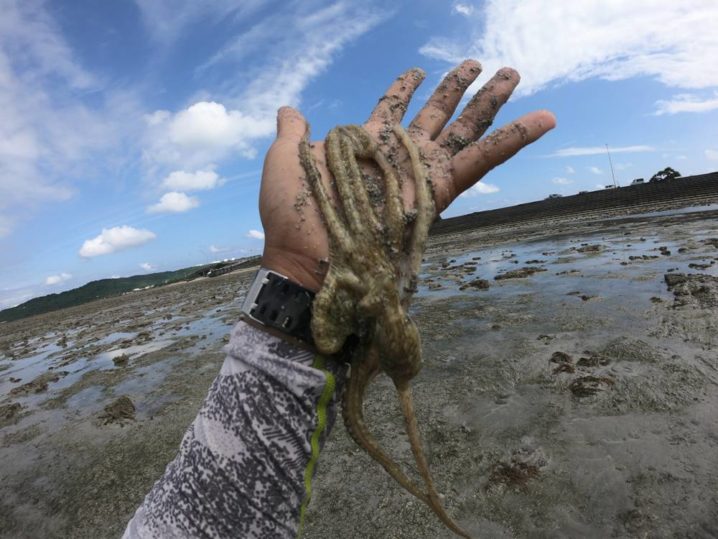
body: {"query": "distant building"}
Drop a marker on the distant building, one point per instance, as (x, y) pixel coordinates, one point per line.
(637, 181)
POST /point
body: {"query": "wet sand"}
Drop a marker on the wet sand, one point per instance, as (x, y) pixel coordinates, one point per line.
(576, 397)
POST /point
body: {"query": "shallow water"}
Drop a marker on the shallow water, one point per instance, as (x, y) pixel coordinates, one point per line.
(621, 441)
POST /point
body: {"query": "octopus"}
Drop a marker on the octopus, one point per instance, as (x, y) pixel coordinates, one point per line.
(375, 251)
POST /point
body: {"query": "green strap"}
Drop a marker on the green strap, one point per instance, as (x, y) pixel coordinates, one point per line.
(324, 399)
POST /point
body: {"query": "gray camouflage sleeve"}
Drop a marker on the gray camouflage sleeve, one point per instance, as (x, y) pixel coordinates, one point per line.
(246, 463)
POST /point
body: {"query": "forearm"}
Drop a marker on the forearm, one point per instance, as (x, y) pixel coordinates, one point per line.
(246, 463)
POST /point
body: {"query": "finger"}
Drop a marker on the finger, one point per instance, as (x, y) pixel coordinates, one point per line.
(479, 113)
(291, 125)
(441, 106)
(393, 104)
(473, 162)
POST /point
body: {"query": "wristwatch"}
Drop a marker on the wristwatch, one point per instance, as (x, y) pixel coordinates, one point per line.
(275, 302)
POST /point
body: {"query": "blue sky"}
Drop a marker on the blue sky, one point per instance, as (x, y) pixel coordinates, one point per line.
(132, 133)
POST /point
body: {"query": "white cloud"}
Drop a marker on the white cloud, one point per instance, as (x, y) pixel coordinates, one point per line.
(48, 130)
(462, 9)
(205, 132)
(174, 202)
(570, 170)
(552, 43)
(56, 279)
(215, 249)
(480, 188)
(211, 130)
(595, 170)
(562, 181)
(114, 239)
(596, 150)
(166, 19)
(711, 154)
(686, 103)
(255, 234)
(200, 180)
(147, 266)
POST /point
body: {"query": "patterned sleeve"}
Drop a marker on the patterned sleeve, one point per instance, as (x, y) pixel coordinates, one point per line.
(246, 463)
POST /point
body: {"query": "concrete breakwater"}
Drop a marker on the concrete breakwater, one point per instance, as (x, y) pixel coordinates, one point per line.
(699, 190)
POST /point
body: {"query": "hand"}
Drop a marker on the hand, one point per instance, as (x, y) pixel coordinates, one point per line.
(456, 156)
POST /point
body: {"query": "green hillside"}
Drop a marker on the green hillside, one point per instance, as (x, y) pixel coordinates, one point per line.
(105, 288)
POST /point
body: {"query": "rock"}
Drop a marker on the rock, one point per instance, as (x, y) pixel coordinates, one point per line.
(8, 413)
(561, 357)
(642, 257)
(38, 385)
(564, 367)
(118, 411)
(674, 279)
(695, 265)
(519, 273)
(121, 360)
(514, 475)
(589, 248)
(481, 284)
(593, 360)
(586, 386)
(692, 289)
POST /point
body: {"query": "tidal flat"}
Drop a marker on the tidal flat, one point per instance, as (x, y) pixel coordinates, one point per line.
(574, 396)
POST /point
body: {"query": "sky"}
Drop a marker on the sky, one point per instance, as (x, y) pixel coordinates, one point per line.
(132, 133)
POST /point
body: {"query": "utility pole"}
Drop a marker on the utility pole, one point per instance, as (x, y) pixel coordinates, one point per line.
(611, 163)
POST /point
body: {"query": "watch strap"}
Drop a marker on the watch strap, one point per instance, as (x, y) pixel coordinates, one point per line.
(276, 302)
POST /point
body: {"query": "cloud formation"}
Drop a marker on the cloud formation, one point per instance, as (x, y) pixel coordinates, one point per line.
(462, 9)
(255, 234)
(711, 154)
(211, 130)
(480, 188)
(595, 170)
(115, 239)
(596, 150)
(686, 103)
(174, 202)
(147, 266)
(200, 180)
(48, 130)
(56, 279)
(561, 181)
(551, 43)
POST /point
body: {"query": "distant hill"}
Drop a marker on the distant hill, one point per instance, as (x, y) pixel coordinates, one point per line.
(110, 287)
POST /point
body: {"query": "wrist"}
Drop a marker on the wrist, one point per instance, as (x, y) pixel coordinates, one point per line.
(303, 270)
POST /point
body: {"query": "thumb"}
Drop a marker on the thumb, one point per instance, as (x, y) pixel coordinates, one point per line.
(291, 125)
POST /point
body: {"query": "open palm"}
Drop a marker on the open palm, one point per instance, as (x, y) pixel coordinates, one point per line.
(455, 155)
